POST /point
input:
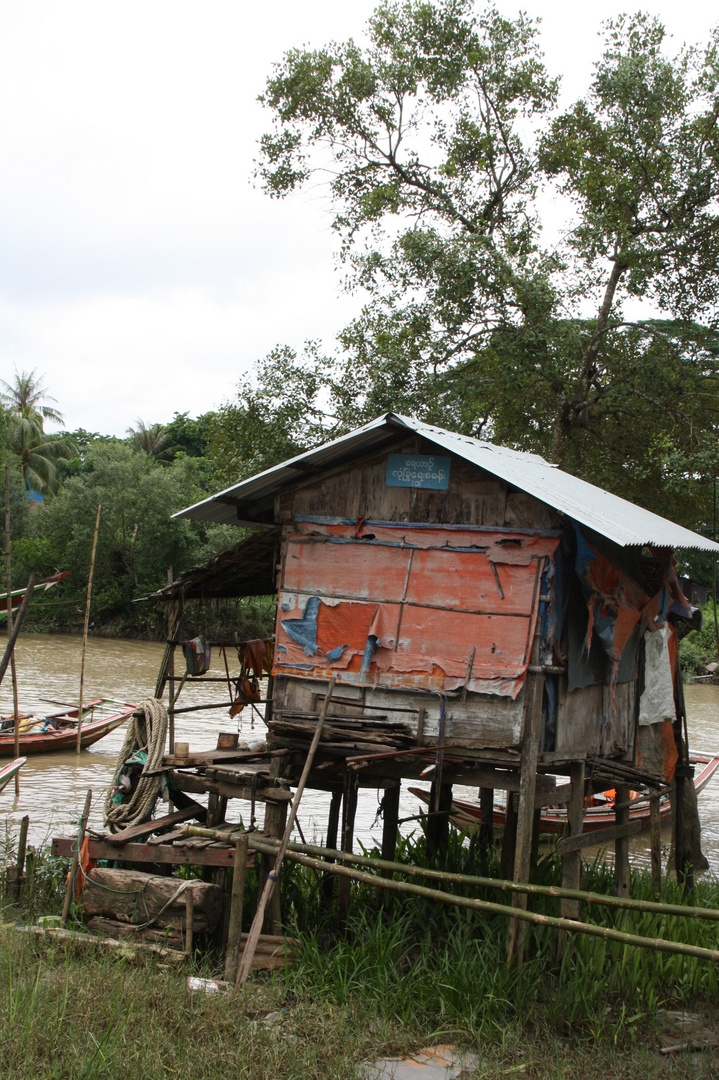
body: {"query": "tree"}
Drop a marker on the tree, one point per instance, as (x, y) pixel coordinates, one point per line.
(27, 394)
(443, 144)
(38, 453)
(153, 440)
(278, 414)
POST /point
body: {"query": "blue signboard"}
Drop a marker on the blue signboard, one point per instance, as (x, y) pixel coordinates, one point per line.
(418, 471)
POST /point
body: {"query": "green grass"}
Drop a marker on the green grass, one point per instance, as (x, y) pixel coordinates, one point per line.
(402, 974)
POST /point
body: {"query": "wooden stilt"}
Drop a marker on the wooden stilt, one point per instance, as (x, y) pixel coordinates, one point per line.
(234, 936)
(509, 839)
(621, 844)
(349, 809)
(438, 823)
(525, 811)
(390, 828)
(572, 860)
(656, 840)
(536, 829)
(486, 829)
(333, 822)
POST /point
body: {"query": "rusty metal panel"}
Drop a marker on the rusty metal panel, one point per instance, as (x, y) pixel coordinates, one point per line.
(380, 606)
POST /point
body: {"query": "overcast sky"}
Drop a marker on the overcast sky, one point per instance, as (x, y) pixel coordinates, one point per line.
(140, 271)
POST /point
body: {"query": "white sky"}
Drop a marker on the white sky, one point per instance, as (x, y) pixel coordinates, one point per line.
(140, 271)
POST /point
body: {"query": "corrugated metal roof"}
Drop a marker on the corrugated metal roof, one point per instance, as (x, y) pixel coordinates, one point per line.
(607, 514)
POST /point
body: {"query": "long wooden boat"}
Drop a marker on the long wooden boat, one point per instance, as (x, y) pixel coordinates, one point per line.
(17, 594)
(7, 772)
(58, 731)
(466, 813)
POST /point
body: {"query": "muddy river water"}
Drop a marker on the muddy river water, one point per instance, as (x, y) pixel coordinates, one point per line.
(53, 786)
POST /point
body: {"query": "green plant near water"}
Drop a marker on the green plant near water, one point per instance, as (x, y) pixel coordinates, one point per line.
(424, 963)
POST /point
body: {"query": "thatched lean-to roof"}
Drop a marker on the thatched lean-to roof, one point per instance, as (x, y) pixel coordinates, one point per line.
(247, 569)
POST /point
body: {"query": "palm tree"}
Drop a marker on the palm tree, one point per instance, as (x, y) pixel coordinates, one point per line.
(153, 440)
(26, 402)
(28, 394)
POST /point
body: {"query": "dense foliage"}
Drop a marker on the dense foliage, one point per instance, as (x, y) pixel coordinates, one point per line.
(504, 244)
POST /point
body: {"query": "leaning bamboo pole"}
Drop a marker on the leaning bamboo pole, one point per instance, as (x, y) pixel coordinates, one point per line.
(8, 590)
(653, 907)
(84, 631)
(607, 933)
(273, 876)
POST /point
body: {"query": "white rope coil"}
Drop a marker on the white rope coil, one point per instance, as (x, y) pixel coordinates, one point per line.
(147, 731)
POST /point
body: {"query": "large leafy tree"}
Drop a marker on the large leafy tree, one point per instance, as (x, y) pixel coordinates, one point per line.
(443, 151)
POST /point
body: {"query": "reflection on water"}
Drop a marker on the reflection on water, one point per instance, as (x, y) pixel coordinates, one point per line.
(53, 786)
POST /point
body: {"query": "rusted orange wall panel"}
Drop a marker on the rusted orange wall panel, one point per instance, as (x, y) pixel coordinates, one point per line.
(470, 581)
(346, 569)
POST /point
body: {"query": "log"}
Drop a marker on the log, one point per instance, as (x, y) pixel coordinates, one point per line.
(599, 837)
(133, 897)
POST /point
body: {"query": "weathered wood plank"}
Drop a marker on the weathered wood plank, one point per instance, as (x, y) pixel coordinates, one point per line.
(157, 825)
(599, 837)
(165, 854)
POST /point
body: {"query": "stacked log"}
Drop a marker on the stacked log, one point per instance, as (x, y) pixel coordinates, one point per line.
(131, 897)
(341, 736)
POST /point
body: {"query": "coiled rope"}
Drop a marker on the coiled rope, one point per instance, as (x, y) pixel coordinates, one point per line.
(146, 731)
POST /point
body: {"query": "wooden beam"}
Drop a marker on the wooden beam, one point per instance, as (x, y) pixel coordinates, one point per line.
(166, 854)
(599, 837)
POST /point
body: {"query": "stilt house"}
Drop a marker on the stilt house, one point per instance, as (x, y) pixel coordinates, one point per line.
(515, 619)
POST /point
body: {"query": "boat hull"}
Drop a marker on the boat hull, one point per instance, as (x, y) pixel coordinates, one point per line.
(466, 814)
(65, 737)
(9, 771)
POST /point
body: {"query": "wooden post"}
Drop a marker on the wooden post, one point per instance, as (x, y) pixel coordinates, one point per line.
(85, 627)
(349, 809)
(509, 839)
(234, 936)
(440, 802)
(256, 927)
(621, 844)
(76, 858)
(486, 829)
(390, 828)
(333, 821)
(525, 811)
(30, 876)
(21, 845)
(572, 860)
(8, 589)
(189, 921)
(656, 834)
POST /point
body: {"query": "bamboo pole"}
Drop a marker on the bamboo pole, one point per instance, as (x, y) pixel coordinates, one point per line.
(234, 936)
(555, 891)
(573, 926)
(76, 858)
(256, 927)
(16, 627)
(84, 631)
(8, 589)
